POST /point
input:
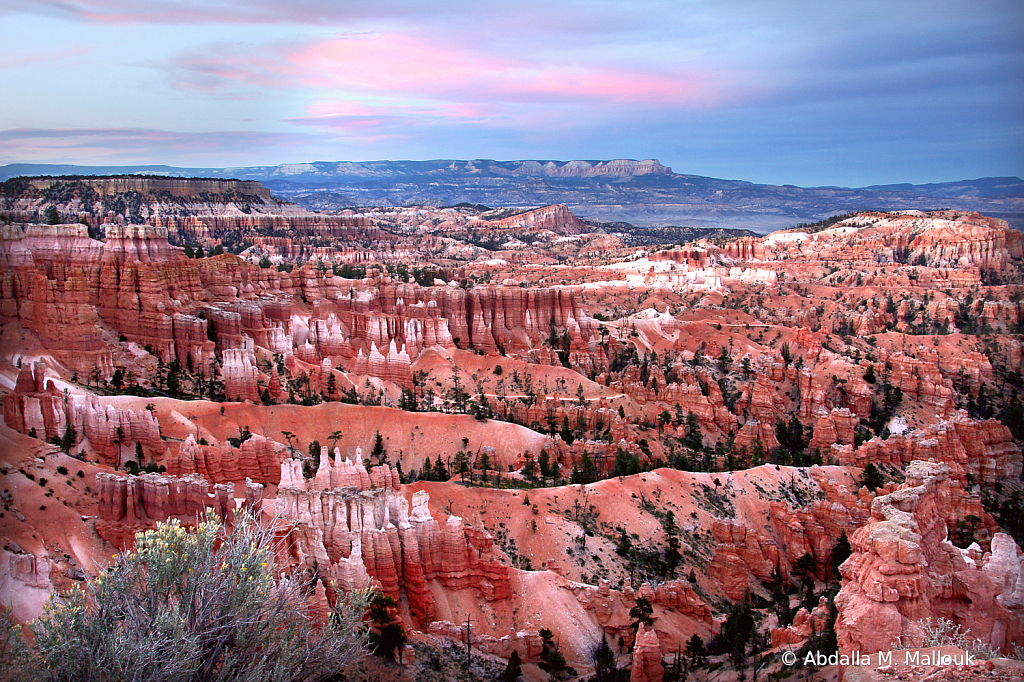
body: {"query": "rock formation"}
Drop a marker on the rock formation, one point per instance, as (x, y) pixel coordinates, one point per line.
(983, 450)
(48, 413)
(257, 458)
(806, 624)
(746, 554)
(356, 526)
(611, 354)
(240, 373)
(128, 504)
(903, 569)
(558, 218)
(647, 665)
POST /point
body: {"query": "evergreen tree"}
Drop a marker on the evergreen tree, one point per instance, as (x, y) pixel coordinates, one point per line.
(738, 629)
(603, 659)
(694, 436)
(513, 669)
(530, 467)
(624, 545)
(67, 441)
(696, 650)
(485, 464)
(804, 566)
(625, 463)
(390, 634)
(642, 612)
(584, 471)
(840, 552)
(379, 452)
(545, 464)
(566, 433)
(440, 471)
(872, 478)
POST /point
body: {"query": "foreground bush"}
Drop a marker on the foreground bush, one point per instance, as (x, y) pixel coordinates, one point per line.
(189, 606)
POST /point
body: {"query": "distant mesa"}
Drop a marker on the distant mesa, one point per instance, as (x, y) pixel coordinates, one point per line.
(641, 192)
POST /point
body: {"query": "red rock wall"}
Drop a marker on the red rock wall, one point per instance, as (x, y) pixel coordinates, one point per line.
(257, 458)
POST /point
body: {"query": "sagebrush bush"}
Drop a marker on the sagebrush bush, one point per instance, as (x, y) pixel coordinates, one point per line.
(943, 632)
(195, 605)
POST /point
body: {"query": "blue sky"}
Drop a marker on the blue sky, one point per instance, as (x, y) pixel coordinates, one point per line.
(787, 91)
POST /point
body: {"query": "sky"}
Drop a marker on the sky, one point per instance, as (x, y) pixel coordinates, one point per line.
(825, 92)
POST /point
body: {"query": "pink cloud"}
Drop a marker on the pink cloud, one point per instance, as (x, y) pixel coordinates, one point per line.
(450, 79)
(441, 110)
(390, 63)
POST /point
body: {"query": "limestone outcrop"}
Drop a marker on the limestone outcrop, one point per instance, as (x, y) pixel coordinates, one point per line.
(903, 569)
(747, 553)
(112, 431)
(66, 288)
(128, 504)
(240, 373)
(557, 218)
(944, 239)
(647, 666)
(357, 526)
(257, 458)
(47, 413)
(983, 450)
(806, 624)
(611, 609)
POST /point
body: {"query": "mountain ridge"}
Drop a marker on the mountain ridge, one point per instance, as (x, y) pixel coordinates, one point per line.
(644, 192)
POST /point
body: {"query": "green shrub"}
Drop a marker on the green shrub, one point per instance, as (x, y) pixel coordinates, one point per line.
(196, 605)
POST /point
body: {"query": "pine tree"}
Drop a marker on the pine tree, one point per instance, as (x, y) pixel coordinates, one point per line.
(390, 634)
(545, 464)
(513, 669)
(440, 471)
(872, 478)
(604, 661)
(379, 452)
(642, 612)
(696, 650)
(840, 553)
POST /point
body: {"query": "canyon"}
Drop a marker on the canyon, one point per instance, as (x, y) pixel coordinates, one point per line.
(513, 417)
